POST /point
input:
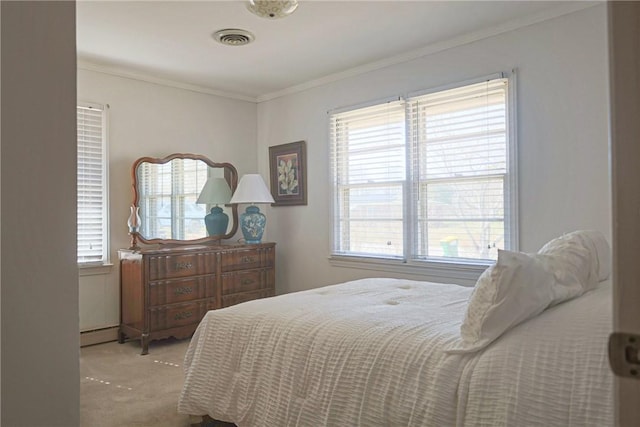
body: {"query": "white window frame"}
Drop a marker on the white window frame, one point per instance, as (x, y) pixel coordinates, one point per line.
(439, 269)
(105, 258)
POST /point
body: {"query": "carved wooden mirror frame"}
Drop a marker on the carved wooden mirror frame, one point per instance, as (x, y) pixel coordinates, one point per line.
(231, 176)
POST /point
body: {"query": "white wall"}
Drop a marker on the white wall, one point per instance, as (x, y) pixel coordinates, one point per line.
(40, 370)
(147, 119)
(562, 139)
(562, 136)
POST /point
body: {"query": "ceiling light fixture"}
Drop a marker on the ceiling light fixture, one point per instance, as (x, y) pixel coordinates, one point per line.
(271, 9)
(233, 37)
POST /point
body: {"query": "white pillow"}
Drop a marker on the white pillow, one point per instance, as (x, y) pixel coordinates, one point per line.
(520, 286)
(516, 288)
(591, 246)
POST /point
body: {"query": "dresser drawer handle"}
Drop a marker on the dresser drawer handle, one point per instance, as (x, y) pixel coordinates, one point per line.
(183, 315)
(247, 281)
(247, 259)
(184, 265)
(183, 290)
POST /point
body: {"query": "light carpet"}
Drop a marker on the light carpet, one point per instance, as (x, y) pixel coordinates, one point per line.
(121, 388)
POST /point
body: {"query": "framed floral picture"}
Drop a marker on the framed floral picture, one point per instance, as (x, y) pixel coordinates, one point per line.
(288, 173)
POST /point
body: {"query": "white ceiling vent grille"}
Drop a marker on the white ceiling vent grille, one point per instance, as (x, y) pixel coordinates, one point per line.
(233, 37)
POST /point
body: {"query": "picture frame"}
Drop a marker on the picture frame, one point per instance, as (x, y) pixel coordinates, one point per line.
(288, 173)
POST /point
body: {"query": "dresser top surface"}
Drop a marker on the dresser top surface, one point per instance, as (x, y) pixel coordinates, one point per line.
(185, 249)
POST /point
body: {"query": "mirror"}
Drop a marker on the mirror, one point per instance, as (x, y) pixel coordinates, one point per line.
(168, 194)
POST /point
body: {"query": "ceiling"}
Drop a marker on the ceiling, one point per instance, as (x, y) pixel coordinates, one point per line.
(171, 41)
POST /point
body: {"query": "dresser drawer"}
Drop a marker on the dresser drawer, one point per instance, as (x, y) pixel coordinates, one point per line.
(181, 290)
(240, 260)
(172, 316)
(181, 265)
(243, 281)
(229, 300)
(246, 259)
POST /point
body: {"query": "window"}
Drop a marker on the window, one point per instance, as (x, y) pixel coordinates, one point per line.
(167, 198)
(92, 185)
(425, 178)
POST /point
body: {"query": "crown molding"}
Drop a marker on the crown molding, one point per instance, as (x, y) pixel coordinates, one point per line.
(468, 38)
(564, 9)
(148, 78)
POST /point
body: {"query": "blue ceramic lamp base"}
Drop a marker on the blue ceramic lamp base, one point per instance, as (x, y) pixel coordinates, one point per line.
(216, 222)
(252, 224)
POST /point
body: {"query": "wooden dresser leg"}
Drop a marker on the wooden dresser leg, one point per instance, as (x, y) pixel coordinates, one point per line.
(121, 337)
(145, 344)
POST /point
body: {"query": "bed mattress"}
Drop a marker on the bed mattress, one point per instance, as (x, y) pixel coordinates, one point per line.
(373, 352)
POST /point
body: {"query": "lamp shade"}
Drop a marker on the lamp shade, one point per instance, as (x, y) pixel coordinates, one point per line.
(252, 189)
(216, 191)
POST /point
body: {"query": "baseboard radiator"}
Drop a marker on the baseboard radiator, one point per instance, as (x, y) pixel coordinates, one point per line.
(98, 336)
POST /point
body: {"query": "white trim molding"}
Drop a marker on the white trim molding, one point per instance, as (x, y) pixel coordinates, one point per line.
(123, 71)
(98, 336)
(443, 272)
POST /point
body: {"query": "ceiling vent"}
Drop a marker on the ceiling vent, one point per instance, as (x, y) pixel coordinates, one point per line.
(233, 37)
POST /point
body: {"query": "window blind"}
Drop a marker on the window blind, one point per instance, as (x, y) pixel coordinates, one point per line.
(167, 199)
(426, 178)
(192, 179)
(369, 170)
(92, 184)
(459, 157)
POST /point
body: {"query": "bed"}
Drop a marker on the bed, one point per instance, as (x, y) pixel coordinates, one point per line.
(393, 352)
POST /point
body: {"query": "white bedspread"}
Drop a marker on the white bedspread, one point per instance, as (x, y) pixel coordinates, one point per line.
(552, 370)
(372, 353)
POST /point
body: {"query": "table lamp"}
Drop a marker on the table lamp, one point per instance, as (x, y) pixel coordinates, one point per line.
(216, 192)
(252, 189)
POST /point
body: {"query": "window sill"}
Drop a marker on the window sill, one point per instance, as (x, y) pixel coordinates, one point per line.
(434, 271)
(94, 269)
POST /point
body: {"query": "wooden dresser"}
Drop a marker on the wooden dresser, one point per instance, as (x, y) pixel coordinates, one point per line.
(166, 291)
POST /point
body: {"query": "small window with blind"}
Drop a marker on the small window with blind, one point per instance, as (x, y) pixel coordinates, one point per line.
(427, 177)
(167, 198)
(92, 212)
